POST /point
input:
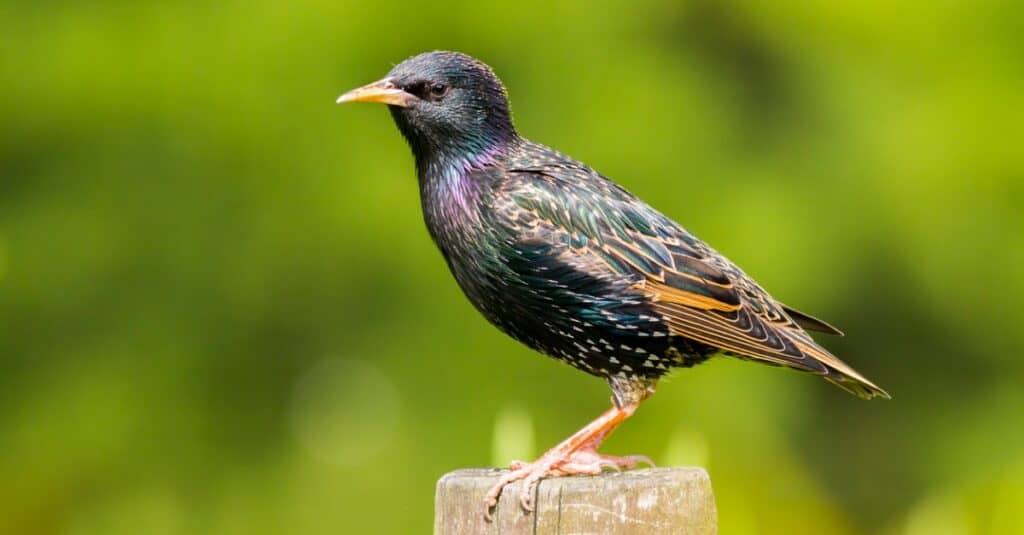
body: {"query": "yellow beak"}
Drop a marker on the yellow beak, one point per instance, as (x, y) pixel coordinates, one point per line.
(381, 91)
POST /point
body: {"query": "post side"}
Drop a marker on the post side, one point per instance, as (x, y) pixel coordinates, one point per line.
(655, 500)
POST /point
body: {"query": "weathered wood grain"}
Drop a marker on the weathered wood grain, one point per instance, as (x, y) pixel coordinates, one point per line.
(656, 500)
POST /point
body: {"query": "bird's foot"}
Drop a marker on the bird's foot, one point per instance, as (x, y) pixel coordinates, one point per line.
(555, 463)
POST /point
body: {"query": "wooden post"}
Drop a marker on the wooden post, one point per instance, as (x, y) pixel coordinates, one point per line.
(656, 500)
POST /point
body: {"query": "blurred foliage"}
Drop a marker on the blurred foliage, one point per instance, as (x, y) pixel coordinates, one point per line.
(220, 311)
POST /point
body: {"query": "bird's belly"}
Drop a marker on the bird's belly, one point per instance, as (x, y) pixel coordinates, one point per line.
(604, 335)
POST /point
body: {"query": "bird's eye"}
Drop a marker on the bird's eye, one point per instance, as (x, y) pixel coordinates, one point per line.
(438, 89)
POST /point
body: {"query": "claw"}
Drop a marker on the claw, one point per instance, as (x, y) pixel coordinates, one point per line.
(642, 459)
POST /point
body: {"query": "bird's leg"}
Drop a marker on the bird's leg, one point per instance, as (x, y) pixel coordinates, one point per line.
(575, 455)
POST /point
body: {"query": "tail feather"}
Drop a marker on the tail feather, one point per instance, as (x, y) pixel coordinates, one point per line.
(836, 371)
(858, 386)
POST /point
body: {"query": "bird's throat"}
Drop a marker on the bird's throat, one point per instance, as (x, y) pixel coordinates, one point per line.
(444, 150)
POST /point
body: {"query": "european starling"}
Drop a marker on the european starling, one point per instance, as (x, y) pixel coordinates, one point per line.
(574, 266)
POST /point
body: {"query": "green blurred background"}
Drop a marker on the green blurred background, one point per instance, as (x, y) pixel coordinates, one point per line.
(220, 311)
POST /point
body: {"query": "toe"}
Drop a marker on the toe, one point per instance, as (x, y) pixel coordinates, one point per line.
(526, 501)
(589, 469)
(529, 487)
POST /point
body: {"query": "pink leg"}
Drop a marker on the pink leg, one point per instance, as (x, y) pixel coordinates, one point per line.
(575, 455)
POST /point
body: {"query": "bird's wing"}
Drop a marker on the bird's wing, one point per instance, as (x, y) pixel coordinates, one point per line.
(698, 292)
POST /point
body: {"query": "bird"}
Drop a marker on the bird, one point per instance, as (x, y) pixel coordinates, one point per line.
(573, 265)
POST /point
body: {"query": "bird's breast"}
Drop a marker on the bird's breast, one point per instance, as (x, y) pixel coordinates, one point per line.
(451, 211)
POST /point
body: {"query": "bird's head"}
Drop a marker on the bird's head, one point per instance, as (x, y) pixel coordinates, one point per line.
(447, 105)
